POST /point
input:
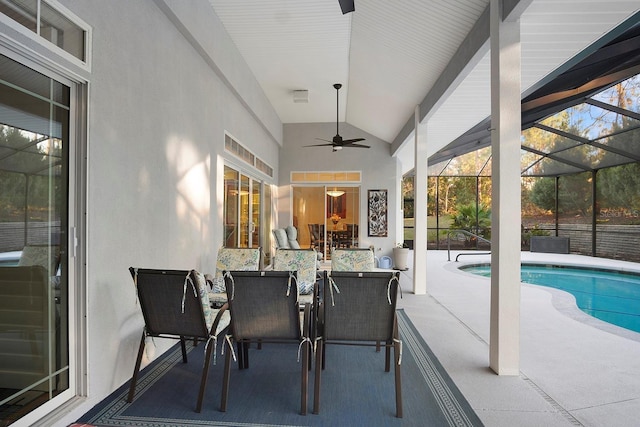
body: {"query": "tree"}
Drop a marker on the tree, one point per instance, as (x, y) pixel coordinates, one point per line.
(543, 193)
(619, 187)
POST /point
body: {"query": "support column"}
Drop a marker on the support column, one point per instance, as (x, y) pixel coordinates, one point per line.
(556, 209)
(594, 204)
(504, 342)
(420, 211)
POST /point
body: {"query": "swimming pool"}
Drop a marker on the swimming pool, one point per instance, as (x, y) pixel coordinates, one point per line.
(608, 295)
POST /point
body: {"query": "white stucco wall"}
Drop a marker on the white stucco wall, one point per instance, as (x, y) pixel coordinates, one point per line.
(379, 171)
(159, 105)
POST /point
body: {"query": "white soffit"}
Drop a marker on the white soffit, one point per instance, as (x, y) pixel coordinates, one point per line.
(398, 50)
(293, 45)
(552, 32)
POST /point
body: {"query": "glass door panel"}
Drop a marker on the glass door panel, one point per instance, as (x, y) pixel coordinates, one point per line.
(34, 218)
(342, 216)
(308, 217)
(231, 203)
(265, 225)
(254, 226)
(245, 213)
(243, 210)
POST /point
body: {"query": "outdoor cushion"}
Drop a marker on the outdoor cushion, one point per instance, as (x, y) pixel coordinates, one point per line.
(203, 293)
(234, 259)
(292, 237)
(303, 261)
(282, 241)
(352, 260)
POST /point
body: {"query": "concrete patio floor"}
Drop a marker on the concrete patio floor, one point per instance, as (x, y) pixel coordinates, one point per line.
(574, 369)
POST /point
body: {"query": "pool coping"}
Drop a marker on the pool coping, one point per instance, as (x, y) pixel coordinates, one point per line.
(564, 301)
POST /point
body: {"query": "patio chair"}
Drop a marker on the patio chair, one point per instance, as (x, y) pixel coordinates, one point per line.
(352, 259)
(264, 307)
(359, 308)
(237, 259)
(175, 304)
(287, 238)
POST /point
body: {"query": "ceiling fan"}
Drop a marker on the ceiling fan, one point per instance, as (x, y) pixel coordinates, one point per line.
(338, 143)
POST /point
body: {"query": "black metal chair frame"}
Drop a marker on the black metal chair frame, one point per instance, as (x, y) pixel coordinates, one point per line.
(172, 309)
(359, 308)
(264, 308)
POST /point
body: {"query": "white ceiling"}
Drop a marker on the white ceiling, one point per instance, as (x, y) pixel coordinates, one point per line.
(388, 55)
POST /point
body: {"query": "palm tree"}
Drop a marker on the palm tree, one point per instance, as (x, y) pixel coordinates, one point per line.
(474, 219)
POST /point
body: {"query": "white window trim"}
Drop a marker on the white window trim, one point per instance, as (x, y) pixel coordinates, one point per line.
(88, 31)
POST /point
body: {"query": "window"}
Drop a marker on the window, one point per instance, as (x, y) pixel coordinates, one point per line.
(234, 147)
(48, 22)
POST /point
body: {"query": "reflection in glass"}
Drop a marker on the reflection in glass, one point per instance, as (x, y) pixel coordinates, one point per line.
(243, 213)
(34, 297)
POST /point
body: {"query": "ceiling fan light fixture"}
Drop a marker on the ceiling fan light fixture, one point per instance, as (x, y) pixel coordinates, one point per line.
(335, 193)
(301, 96)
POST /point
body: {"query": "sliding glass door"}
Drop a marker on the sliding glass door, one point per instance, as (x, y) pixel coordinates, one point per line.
(34, 225)
(327, 216)
(247, 208)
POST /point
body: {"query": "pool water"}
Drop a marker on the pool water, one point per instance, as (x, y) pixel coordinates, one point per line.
(608, 295)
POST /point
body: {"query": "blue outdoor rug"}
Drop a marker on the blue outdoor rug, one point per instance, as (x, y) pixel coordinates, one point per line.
(355, 390)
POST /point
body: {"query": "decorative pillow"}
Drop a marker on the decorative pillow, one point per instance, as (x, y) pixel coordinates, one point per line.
(352, 260)
(239, 259)
(203, 293)
(292, 236)
(303, 261)
(281, 238)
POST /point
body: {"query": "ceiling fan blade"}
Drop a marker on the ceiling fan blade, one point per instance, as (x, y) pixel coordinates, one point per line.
(325, 140)
(357, 146)
(347, 6)
(351, 141)
(318, 145)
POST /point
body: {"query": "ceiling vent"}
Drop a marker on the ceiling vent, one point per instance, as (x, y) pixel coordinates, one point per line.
(301, 96)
